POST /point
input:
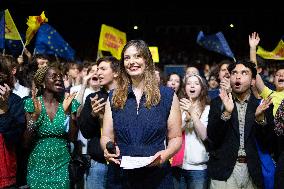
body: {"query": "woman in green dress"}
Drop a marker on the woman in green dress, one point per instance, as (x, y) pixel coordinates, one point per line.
(48, 118)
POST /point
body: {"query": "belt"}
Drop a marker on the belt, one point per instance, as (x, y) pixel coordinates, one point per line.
(242, 159)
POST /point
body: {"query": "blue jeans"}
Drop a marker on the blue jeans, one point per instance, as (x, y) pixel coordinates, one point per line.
(97, 176)
(191, 179)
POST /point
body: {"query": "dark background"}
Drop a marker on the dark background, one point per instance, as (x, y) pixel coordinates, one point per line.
(172, 26)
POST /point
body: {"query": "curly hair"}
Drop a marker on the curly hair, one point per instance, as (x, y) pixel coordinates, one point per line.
(40, 75)
(151, 87)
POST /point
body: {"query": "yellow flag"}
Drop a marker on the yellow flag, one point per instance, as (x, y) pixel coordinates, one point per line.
(34, 22)
(276, 54)
(11, 31)
(155, 54)
(112, 40)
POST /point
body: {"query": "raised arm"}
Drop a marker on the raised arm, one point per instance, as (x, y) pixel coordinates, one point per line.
(253, 42)
(80, 94)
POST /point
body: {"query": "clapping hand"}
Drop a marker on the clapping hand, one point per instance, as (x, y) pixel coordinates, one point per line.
(37, 105)
(264, 105)
(227, 100)
(67, 101)
(189, 107)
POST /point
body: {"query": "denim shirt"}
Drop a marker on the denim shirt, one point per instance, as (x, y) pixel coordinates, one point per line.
(142, 131)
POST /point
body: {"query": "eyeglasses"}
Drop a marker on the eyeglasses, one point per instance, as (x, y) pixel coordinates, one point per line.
(55, 76)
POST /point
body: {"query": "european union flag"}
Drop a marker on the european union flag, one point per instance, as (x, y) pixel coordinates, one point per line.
(216, 43)
(13, 47)
(49, 41)
(2, 30)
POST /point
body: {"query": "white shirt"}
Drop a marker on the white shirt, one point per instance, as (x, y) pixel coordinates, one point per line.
(86, 93)
(195, 154)
(20, 90)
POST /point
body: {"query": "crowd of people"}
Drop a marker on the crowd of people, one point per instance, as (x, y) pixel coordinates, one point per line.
(69, 125)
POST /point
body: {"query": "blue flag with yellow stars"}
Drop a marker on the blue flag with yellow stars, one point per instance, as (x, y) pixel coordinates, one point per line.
(2, 30)
(14, 47)
(49, 41)
(216, 43)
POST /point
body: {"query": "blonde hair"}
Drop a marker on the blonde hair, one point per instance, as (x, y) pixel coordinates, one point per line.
(151, 86)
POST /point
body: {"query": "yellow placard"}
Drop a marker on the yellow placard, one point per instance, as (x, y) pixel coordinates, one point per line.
(155, 54)
(112, 40)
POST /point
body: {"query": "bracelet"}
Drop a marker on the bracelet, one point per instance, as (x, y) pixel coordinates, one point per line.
(31, 126)
(262, 122)
(225, 117)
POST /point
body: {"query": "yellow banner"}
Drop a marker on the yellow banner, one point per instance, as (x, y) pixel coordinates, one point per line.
(112, 40)
(155, 54)
(11, 31)
(276, 54)
(34, 23)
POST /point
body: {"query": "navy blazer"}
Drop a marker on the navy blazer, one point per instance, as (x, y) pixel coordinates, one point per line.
(224, 141)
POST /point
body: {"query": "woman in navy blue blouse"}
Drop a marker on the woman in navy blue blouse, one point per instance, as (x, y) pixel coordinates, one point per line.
(143, 119)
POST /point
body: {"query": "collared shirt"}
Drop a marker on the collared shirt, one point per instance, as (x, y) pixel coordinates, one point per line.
(242, 108)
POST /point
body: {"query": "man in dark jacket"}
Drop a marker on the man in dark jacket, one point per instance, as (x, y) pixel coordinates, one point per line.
(90, 121)
(234, 121)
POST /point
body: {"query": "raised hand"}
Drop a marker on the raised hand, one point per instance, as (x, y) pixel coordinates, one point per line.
(253, 40)
(264, 105)
(4, 96)
(37, 105)
(190, 108)
(227, 100)
(67, 101)
(184, 104)
(67, 81)
(27, 53)
(20, 59)
(225, 84)
(87, 78)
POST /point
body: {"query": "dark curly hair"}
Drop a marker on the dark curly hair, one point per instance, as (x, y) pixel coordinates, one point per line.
(247, 63)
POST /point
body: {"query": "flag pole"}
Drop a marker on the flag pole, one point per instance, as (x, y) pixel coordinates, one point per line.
(23, 50)
(57, 58)
(34, 52)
